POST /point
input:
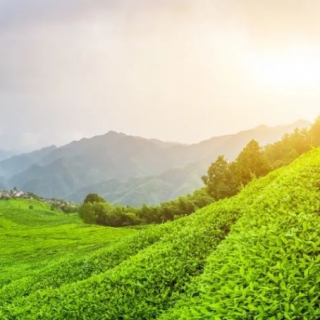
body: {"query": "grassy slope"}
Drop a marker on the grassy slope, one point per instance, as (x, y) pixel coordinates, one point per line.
(269, 266)
(33, 239)
(68, 271)
(254, 256)
(147, 283)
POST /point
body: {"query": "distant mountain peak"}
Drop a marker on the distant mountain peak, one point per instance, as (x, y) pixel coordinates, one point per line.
(297, 124)
(302, 123)
(261, 127)
(52, 147)
(123, 157)
(113, 133)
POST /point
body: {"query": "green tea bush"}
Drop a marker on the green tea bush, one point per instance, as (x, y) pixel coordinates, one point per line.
(251, 257)
(269, 266)
(35, 244)
(144, 285)
(70, 271)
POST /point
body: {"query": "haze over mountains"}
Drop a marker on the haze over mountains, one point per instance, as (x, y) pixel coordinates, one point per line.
(6, 154)
(125, 169)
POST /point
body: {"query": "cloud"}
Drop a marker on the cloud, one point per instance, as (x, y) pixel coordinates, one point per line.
(278, 22)
(15, 13)
(82, 67)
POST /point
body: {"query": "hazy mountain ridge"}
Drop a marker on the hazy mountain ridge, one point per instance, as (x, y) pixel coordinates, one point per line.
(6, 154)
(149, 190)
(126, 169)
(20, 163)
(231, 145)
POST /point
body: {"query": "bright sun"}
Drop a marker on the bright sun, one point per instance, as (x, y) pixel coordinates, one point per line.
(292, 70)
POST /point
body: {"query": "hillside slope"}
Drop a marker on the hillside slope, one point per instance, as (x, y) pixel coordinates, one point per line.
(269, 266)
(88, 161)
(5, 154)
(116, 158)
(32, 239)
(253, 256)
(20, 163)
(149, 190)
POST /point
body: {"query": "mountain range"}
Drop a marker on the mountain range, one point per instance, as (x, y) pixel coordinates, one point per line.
(126, 169)
(6, 154)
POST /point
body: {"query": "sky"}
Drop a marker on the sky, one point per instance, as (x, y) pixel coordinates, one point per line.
(176, 70)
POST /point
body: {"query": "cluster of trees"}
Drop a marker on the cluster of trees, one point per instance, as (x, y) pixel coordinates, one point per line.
(223, 179)
(63, 206)
(96, 210)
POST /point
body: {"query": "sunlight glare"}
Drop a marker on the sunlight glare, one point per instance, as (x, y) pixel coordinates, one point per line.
(294, 69)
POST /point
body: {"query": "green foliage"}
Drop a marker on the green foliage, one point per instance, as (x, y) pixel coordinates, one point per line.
(34, 239)
(269, 266)
(251, 162)
(93, 198)
(220, 179)
(140, 287)
(69, 270)
(66, 208)
(253, 256)
(63, 206)
(290, 147)
(315, 133)
(103, 213)
(224, 179)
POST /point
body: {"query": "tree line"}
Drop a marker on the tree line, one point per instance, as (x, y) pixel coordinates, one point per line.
(223, 179)
(96, 210)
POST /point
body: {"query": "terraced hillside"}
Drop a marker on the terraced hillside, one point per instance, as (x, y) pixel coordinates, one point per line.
(32, 239)
(253, 256)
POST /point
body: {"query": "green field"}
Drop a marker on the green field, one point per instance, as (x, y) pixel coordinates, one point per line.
(33, 239)
(254, 256)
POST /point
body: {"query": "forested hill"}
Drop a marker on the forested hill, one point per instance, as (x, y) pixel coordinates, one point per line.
(125, 167)
(20, 163)
(223, 179)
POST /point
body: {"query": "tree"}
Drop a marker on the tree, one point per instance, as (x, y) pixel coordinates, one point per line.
(92, 198)
(96, 212)
(315, 133)
(219, 179)
(290, 147)
(251, 162)
(201, 198)
(87, 213)
(145, 213)
(69, 208)
(54, 206)
(167, 211)
(185, 206)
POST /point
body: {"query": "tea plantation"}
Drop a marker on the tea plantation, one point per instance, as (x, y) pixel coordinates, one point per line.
(37, 238)
(253, 256)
